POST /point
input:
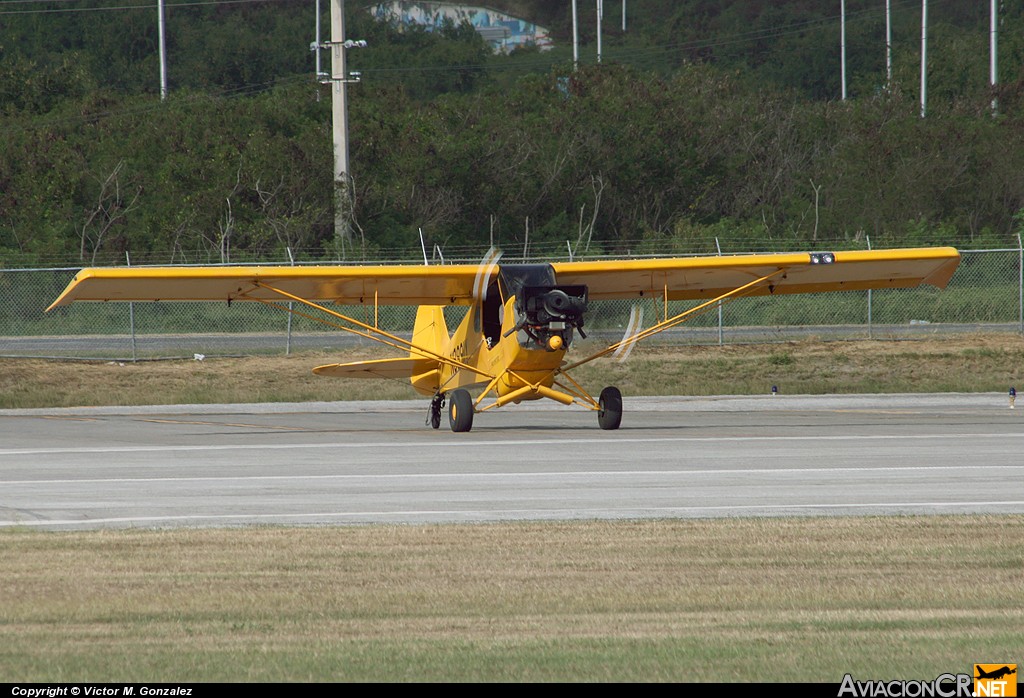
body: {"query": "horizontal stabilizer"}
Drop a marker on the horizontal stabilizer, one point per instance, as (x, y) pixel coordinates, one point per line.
(404, 368)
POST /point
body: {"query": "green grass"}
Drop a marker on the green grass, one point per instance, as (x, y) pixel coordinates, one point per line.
(707, 600)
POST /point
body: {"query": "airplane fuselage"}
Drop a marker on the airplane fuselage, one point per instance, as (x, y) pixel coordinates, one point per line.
(518, 361)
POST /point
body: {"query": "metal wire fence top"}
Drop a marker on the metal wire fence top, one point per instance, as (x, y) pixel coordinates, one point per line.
(514, 251)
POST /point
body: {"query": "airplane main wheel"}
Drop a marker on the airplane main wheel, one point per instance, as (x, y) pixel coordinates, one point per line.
(460, 410)
(609, 414)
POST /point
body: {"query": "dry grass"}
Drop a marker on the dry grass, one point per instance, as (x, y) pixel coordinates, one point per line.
(49, 383)
(767, 599)
(964, 363)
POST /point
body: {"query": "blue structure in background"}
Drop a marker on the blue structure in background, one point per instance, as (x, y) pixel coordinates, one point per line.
(503, 32)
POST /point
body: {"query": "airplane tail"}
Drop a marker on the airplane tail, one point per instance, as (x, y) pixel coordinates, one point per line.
(430, 332)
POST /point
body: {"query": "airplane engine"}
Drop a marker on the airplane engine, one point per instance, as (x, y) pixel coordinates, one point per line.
(550, 314)
(546, 313)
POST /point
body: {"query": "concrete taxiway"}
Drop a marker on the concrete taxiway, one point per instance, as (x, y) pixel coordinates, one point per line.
(377, 462)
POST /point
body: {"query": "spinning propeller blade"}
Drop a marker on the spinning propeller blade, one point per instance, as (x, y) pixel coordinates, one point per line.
(636, 321)
(483, 273)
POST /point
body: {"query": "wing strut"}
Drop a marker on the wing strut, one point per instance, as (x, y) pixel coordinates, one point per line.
(676, 319)
(373, 333)
(574, 393)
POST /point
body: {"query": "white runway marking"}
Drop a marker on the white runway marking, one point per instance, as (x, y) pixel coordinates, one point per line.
(515, 443)
(589, 475)
(246, 465)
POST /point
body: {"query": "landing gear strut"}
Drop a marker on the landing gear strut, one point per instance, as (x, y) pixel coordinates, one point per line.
(609, 416)
(434, 415)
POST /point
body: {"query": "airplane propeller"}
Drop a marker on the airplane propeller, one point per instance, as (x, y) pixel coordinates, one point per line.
(629, 337)
(460, 405)
(483, 273)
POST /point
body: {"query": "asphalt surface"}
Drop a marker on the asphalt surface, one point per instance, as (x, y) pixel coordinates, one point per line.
(377, 462)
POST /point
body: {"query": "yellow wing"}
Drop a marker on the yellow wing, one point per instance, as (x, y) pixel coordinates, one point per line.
(676, 278)
(348, 285)
(710, 277)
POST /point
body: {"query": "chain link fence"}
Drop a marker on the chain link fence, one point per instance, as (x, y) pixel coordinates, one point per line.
(985, 294)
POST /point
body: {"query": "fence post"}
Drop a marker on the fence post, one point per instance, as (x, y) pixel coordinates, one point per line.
(131, 312)
(1020, 284)
(720, 338)
(870, 327)
(288, 340)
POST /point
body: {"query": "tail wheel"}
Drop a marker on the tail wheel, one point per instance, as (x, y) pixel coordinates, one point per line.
(436, 405)
(609, 415)
(460, 410)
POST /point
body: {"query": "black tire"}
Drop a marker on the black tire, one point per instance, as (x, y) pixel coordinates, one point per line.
(609, 416)
(460, 410)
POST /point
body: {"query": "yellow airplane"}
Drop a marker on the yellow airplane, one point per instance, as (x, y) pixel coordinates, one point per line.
(521, 318)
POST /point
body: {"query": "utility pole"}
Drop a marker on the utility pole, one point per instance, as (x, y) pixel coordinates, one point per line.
(315, 48)
(339, 80)
(339, 116)
(924, 57)
(842, 44)
(163, 48)
(575, 38)
(993, 50)
(888, 44)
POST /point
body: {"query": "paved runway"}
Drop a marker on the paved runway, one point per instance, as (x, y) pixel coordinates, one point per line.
(376, 462)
